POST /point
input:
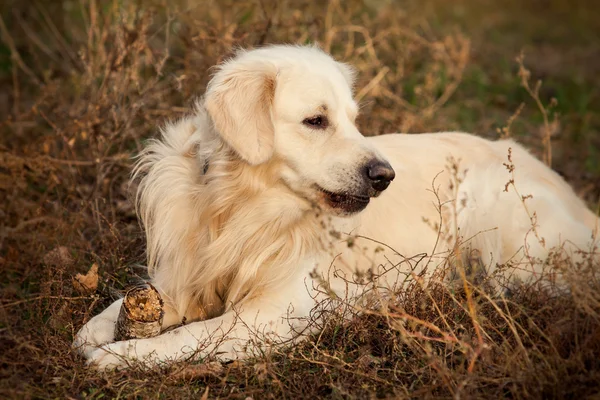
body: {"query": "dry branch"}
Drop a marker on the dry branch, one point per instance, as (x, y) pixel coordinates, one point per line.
(141, 313)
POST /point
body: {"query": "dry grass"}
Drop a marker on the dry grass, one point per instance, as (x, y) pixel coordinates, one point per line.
(85, 83)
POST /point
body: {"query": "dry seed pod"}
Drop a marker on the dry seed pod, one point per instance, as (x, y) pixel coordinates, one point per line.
(141, 313)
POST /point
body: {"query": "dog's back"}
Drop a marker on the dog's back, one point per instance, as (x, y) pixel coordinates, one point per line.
(505, 203)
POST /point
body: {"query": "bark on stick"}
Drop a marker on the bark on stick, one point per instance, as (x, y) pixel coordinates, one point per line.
(141, 313)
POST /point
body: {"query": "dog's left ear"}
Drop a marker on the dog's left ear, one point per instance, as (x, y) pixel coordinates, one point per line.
(239, 99)
(348, 72)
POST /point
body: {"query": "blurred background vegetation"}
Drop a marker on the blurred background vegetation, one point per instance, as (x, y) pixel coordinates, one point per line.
(83, 83)
(560, 40)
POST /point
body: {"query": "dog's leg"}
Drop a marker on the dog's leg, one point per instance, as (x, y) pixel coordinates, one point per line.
(274, 318)
(226, 337)
(101, 329)
(98, 330)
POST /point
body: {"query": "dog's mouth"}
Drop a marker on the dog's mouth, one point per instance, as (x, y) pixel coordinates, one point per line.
(348, 203)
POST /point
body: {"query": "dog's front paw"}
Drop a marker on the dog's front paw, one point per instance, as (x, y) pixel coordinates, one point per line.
(106, 358)
(98, 331)
(123, 354)
(120, 355)
(93, 334)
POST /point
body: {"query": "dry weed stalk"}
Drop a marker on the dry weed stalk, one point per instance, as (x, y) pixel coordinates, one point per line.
(505, 132)
(549, 128)
(523, 199)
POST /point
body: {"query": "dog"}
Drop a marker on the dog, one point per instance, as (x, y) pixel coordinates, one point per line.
(267, 200)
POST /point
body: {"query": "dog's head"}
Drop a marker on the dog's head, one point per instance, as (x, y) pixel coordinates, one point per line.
(295, 104)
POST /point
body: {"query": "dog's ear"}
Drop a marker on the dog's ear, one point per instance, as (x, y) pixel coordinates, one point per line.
(239, 99)
(349, 73)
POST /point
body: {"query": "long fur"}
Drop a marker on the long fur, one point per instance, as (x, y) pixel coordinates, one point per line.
(247, 206)
(217, 235)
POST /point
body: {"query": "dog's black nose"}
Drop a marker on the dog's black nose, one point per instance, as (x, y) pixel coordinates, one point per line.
(380, 173)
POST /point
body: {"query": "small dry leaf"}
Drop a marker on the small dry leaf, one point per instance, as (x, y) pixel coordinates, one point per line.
(87, 283)
(58, 257)
(197, 371)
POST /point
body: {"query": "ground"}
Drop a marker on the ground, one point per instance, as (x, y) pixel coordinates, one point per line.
(84, 84)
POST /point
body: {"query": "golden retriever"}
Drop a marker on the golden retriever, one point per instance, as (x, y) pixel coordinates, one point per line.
(268, 198)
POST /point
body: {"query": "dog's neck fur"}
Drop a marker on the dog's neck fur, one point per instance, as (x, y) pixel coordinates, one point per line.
(205, 223)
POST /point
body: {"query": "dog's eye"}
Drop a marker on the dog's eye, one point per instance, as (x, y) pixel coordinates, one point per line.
(318, 122)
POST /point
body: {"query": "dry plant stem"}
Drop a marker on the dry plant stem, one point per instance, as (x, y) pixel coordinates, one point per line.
(141, 313)
(505, 132)
(16, 57)
(456, 180)
(524, 74)
(532, 215)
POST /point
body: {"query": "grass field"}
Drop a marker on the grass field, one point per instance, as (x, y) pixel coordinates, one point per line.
(85, 83)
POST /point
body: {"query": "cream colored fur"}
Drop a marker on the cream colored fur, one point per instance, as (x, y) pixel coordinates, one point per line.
(241, 239)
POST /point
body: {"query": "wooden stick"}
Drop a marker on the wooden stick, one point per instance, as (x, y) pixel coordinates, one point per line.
(141, 313)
